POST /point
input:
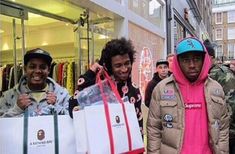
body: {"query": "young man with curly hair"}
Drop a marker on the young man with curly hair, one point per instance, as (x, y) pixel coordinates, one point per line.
(117, 58)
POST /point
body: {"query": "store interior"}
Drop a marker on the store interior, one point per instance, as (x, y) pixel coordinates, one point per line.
(56, 28)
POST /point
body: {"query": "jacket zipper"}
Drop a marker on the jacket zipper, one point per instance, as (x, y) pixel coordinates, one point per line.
(183, 116)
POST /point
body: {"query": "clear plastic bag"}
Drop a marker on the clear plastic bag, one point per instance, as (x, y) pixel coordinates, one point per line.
(92, 95)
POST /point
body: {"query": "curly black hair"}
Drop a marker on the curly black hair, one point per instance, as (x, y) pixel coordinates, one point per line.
(116, 47)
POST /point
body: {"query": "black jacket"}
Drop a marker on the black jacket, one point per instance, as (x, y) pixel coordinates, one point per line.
(149, 89)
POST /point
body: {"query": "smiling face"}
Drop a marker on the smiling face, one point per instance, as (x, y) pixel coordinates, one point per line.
(191, 64)
(36, 71)
(121, 67)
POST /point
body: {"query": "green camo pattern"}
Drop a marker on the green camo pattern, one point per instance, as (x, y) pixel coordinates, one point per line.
(226, 78)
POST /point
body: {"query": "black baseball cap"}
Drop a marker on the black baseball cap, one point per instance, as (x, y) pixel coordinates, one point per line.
(37, 53)
(162, 61)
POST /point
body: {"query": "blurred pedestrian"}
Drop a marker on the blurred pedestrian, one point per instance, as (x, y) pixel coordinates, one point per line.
(170, 61)
(162, 71)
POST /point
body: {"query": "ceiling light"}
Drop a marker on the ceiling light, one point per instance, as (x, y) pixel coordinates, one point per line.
(44, 43)
(5, 46)
(103, 37)
(32, 15)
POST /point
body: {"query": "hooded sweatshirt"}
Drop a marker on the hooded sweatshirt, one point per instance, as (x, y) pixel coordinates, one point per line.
(196, 140)
(9, 107)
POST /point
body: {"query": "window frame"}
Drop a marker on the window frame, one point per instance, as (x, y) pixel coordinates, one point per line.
(216, 51)
(216, 34)
(216, 18)
(232, 52)
(231, 33)
(229, 13)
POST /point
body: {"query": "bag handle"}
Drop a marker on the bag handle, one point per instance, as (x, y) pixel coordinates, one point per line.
(106, 108)
(56, 131)
(110, 82)
(25, 131)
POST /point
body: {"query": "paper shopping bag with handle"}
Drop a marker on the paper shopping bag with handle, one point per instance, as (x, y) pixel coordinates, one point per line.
(107, 125)
(50, 134)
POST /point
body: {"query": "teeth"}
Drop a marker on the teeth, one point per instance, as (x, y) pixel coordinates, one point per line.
(36, 78)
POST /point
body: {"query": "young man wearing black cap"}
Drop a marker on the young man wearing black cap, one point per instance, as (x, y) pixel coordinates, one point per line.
(162, 71)
(188, 113)
(36, 92)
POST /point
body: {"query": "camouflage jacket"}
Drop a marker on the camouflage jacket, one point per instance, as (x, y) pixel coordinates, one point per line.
(226, 78)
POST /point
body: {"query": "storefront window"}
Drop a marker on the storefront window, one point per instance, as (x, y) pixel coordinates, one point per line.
(149, 49)
(151, 10)
(56, 7)
(67, 42)
(7, 41)
(178, 32)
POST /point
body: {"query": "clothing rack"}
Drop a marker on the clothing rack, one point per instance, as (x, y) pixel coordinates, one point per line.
(65, 59)
(4, 62)
(63, 72)
(7, 77)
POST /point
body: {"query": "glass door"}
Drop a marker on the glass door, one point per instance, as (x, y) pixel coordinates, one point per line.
(12, 45)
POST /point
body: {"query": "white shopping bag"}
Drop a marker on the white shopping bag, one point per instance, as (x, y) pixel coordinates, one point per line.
(80, 131)
(92, 133)
(40, 135)
(67, 143)
(107, 127)
(11, 135)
